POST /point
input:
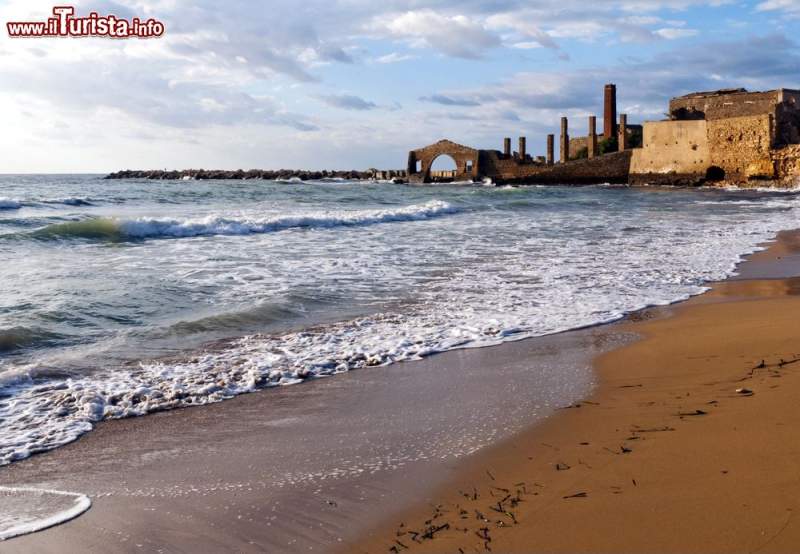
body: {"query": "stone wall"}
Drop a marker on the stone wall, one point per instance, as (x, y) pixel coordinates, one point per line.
(577, 144)
(496, 166)
(611, 168)
(787, 119)
(466, 159)
(782, 104)
(736, 149)
(741, 146)
(672, 149)
(786, 162)
(712, 106)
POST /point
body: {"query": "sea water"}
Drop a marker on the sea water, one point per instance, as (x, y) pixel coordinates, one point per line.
(123, 297)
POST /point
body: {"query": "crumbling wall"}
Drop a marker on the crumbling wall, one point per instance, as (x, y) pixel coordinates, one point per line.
(741, 146)
(787, 119)
(611, 168)
(786, 162)
(466, 159)
(576, 144)
(496, 166)
(672, 148)
(713, 106)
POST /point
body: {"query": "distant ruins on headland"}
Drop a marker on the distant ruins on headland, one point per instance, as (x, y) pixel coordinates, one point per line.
(730, 135)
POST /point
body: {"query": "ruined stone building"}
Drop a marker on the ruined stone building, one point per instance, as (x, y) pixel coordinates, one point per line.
(519, 166)
(727, 135)
(730, 135)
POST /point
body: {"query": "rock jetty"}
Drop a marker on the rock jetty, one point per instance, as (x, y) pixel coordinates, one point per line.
(282, 174)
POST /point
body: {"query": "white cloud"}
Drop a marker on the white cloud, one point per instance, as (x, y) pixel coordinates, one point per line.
(671, 33)
(525, 33)
(348, 102)
(790, 8)
(394, 57)
(455, 35)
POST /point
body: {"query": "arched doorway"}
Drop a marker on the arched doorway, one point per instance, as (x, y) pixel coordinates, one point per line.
(443, 169)
(444, 161)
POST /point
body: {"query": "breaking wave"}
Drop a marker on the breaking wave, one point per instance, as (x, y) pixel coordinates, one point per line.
(16, 338)
(15, 204)
(144, 228)
(10, 204)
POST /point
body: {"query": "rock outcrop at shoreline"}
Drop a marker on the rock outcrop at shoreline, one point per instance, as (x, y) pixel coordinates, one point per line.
(304, 175)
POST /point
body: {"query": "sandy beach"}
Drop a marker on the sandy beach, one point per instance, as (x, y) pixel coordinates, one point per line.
(454, 453)
(688, 444)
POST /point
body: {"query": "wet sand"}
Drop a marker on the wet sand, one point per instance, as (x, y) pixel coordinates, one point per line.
(307, 467)
(689, 444)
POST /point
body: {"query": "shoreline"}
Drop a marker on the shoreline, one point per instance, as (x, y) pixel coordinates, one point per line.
(305, 467)
(668, 453)
(343, 512)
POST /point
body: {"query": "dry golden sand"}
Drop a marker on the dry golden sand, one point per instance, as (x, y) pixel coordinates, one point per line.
(666, 456)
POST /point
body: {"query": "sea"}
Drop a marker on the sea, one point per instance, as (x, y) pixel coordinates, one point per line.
(121, 298)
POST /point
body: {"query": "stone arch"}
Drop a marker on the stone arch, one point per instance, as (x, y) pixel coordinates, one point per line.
(466, 160)
(442, 174)
(444, 156)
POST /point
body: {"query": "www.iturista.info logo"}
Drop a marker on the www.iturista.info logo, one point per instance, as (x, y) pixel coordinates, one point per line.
(65, 24)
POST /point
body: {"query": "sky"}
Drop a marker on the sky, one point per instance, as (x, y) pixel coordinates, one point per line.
(352, 84)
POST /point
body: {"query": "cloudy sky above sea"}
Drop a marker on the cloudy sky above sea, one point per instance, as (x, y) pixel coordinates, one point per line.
(357, 83)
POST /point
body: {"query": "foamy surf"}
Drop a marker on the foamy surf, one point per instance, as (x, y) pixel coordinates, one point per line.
(15, 203)
(144, 228)
(513, 263)
(10, 204)
(28, 510)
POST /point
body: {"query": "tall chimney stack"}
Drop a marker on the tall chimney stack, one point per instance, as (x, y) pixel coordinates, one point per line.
(507, 147)
(564, 150)
(522, 150)
(610, 112)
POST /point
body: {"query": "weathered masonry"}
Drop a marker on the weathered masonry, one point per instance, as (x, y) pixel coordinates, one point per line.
(727, 135)
(420, 162)
(723, 136)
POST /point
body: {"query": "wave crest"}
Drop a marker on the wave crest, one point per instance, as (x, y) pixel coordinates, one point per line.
(9, 204)
(17, 338)
(143, 228)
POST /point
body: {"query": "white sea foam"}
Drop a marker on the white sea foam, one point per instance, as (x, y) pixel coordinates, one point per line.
(69, 201)
(794, 187)
(15, 203)
(28, 510)
(215, 225)
(9, 204)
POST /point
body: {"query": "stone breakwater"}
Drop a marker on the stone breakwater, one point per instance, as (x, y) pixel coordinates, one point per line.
(279, 174)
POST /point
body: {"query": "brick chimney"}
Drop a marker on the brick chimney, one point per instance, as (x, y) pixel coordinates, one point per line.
(610, 112)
